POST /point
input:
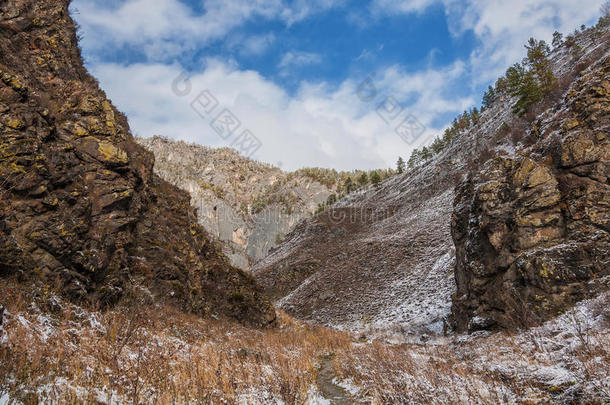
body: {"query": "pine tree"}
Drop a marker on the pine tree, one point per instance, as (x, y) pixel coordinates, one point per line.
(557, 39)
(604, 20)
(539, 64)
(400, 165)
(531, 80)
(425, 153)
(529, 93)
(437, 146)
(501, 85)
(474, 115)
(514, 78)
(489, 97)
(348, 185)
(414, 159)
(375, 179)
(449, 135)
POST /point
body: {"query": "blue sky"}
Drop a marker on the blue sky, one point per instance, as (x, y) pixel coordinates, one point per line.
(290, 73)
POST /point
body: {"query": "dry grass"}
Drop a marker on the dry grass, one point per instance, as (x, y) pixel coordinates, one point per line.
(491, 370)
(55, 352)
(151, 355)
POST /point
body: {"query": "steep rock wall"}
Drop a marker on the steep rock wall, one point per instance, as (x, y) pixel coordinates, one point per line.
(81, 209)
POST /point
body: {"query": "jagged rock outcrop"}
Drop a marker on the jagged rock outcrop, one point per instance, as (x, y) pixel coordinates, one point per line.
(532, 230)
(249, 206)
(81, 209)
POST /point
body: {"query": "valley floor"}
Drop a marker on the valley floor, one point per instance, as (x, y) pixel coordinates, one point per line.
(55, 352)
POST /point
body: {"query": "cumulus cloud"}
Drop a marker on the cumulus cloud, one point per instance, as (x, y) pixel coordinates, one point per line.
(502, 27)
(163, 29)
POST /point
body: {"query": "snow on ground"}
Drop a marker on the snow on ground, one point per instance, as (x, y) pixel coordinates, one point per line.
(5, 399)
(258, 396)
(549, 358)
(348, 385)
(314, 397)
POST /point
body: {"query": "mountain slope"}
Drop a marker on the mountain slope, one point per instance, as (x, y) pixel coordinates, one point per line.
(376, 258)
(385, 258)
(82, 211)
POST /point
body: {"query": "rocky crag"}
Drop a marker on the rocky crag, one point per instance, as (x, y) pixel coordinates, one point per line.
(532, 229)
(81, 209)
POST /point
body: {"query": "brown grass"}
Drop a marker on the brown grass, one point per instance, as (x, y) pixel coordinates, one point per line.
(56, 352)
(153, 355)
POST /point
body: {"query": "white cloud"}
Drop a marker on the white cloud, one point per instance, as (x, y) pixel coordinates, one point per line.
(320, 124)
(298, 10)
(317, 126)
(400, 6)
(163, 29)
(299, 59)
(502, 27)
(250, 45)
(256, 45)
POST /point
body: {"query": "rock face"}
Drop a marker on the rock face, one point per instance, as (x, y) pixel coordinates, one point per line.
(248, 206)
(81, 209)
(532, 230)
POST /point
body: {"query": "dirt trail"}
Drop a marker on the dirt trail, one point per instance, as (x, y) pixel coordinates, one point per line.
(328, 389)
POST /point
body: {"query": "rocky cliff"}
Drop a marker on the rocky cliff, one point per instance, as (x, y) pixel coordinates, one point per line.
(531, 229)
(249, 206)
(81, 210)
